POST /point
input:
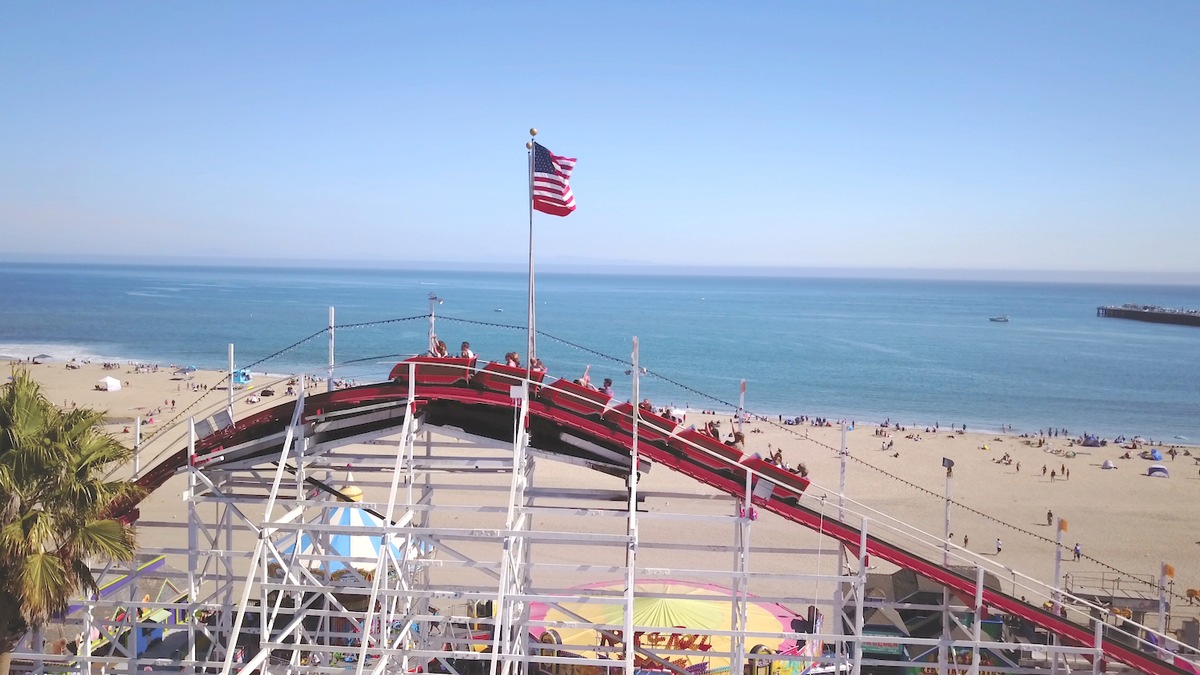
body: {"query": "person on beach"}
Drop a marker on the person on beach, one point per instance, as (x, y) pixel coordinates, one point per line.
(966, 540)
(999, 546)
(1043, 469)
(1078, 552)
(1052, 475)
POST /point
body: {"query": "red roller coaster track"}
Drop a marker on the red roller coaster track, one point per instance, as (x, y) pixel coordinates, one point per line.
(478, 400)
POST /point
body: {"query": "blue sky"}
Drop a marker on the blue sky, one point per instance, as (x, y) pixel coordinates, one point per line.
(926, 135)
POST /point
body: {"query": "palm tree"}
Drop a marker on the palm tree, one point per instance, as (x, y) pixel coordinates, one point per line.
(53, 499)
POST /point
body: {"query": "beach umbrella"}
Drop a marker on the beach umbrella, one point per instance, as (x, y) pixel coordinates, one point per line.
(43, 357)
(670, 615)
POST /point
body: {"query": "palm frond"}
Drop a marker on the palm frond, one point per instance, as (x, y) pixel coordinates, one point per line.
(105, 538)
(44, 586)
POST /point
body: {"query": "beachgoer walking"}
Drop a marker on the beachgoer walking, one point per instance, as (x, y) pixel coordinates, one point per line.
(1067, 474)
(1078, 551)
(1049, 517)
(1043, 469)
(999, 546)
(1018, 467)
(1052, 475)
(966, 540)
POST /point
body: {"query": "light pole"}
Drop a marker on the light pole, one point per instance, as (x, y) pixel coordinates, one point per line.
(943, 647)
(434, 300)
(949, 464)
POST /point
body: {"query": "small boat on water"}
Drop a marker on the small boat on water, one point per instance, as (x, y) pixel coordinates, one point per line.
(999, 319)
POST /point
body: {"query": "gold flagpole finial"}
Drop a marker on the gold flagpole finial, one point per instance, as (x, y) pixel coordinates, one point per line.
(533, 132)
(528, 145)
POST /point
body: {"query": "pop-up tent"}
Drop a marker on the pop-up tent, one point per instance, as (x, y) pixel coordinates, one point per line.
(109, 384)
(1108, 464)
(1158, 470)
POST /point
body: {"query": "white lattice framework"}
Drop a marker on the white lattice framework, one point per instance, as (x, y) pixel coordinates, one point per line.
(469, 542)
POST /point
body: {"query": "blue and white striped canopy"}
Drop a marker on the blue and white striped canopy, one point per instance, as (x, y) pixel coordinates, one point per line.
(355, 550)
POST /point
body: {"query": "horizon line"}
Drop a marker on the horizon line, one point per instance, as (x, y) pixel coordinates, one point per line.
(562, 265)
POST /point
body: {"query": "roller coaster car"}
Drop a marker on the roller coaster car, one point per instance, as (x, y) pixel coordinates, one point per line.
(501, 379)
(767, 485)
(651, 428)
(575, 398)
(434, 370)
(700, 449)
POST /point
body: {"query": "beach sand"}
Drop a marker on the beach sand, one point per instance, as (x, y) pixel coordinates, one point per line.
(1121, 518)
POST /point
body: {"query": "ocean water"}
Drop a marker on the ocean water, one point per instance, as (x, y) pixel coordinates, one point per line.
(918, 352)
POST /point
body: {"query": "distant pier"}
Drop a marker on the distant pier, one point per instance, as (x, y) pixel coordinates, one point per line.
(1152, 313)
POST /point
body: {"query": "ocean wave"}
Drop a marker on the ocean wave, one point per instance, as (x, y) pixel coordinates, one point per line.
(58, 352)
(145, 294)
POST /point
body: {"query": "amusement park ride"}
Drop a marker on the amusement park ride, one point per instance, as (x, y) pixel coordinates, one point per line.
(470, 517)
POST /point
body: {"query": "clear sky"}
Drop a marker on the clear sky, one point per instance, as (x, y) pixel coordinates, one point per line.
(1011, 135)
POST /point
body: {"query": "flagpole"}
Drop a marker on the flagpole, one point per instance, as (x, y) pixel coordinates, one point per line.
(530, 343)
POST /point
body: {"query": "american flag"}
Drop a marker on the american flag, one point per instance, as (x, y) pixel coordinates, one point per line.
(551, 182)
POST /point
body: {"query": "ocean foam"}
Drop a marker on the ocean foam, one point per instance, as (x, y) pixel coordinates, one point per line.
(58, 352)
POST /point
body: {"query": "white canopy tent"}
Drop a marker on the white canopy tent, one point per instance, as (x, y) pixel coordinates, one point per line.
(109, 384)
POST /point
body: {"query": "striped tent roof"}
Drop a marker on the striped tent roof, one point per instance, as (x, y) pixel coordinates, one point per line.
(355, 550)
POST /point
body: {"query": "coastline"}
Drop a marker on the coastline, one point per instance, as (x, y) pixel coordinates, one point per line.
(930, 419)
(914, 351)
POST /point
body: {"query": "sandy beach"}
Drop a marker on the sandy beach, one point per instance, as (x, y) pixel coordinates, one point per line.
(1121, 518)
